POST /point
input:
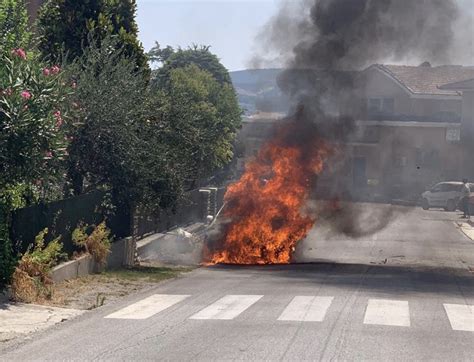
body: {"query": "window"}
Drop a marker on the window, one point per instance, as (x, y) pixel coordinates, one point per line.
(375, 105)
(446, 187)
(379, 107)
(454, 187)
(400, 161)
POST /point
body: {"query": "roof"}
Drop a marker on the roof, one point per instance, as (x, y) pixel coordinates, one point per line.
(428, 80)
(463, 85)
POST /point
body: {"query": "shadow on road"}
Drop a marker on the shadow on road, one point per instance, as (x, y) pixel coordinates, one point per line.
(382, 278)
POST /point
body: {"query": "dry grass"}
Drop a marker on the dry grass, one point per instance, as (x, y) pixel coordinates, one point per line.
(31, 282)
(95, 290)
(97, 243)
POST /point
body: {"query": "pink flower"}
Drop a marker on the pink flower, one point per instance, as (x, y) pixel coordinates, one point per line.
(55, 69)
(20, 53)
(59, 119)
(25, 95)
(46, 71)
(74, 85)
(7, 92)
(48, 154)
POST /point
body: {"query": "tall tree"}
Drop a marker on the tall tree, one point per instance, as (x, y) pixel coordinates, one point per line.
(116, 145)
(201, 113)
(170, 59)
(201, 117)
(65, 26)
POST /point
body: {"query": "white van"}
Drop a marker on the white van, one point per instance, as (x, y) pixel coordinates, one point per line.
(444, 195)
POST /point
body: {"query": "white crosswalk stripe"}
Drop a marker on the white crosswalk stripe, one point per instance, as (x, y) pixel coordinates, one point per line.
(460, 316)
(147, 307)
(384, 312)
(306, 309)
(387, 312)
(227, 307)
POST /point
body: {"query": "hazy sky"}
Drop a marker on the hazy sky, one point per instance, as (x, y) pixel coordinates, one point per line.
(230, 26)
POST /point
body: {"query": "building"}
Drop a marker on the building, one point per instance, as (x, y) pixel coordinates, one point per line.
(409, 129)
(414, 126)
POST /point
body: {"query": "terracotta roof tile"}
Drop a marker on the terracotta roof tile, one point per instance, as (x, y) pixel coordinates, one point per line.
(427, 79)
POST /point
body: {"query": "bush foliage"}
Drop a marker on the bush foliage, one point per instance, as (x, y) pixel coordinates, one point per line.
(97, 243)
(99, 122)
(31, 280)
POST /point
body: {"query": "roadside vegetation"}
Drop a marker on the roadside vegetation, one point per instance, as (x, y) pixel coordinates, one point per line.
(31, 280)
(89, 110)
(95, 290)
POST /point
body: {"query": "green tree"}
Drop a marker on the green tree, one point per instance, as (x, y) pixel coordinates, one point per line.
(171, 59)
(200, 118)
(117, 146)
(64, 27)
(13, 25)
(121, 14)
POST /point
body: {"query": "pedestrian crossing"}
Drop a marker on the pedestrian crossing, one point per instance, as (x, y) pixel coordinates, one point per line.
(382, 312)
(227, 307)
(387, 313)
(306, 309)
(147, 307)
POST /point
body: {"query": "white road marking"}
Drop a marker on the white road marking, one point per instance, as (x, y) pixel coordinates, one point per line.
(227, 307)
(306, 309)
(460, 316)
(387, 312)
(147, 307)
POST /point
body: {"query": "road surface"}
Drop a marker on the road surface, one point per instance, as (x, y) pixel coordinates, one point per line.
(403, 293)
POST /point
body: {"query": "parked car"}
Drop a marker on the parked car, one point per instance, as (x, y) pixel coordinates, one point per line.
(443, 195)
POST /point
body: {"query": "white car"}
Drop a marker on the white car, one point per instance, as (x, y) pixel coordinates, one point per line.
(443, 195)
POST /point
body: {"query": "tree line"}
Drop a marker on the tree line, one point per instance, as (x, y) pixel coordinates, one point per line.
(83, 107)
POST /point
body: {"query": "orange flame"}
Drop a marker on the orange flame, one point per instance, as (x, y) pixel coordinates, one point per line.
(266, 206)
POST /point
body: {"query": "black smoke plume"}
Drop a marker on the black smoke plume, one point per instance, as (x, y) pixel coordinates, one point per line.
(327, 42)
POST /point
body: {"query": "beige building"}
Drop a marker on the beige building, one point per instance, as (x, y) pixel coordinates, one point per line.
(413, 125)
(410, 127)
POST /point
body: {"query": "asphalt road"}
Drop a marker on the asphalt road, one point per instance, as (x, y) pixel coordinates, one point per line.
(402, 293)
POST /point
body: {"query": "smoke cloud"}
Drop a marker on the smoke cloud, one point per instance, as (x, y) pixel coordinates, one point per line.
(325, 42)
(344, 35)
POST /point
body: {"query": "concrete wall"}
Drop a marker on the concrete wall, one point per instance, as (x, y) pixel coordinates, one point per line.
(86, 265)
(397, 163)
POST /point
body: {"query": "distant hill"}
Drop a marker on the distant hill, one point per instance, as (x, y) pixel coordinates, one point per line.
(257, 90)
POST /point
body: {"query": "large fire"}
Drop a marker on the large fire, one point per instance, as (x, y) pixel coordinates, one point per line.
(265, 209)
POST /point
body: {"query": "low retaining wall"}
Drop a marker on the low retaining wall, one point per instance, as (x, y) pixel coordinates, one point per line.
(79, 267)
(86, 265)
